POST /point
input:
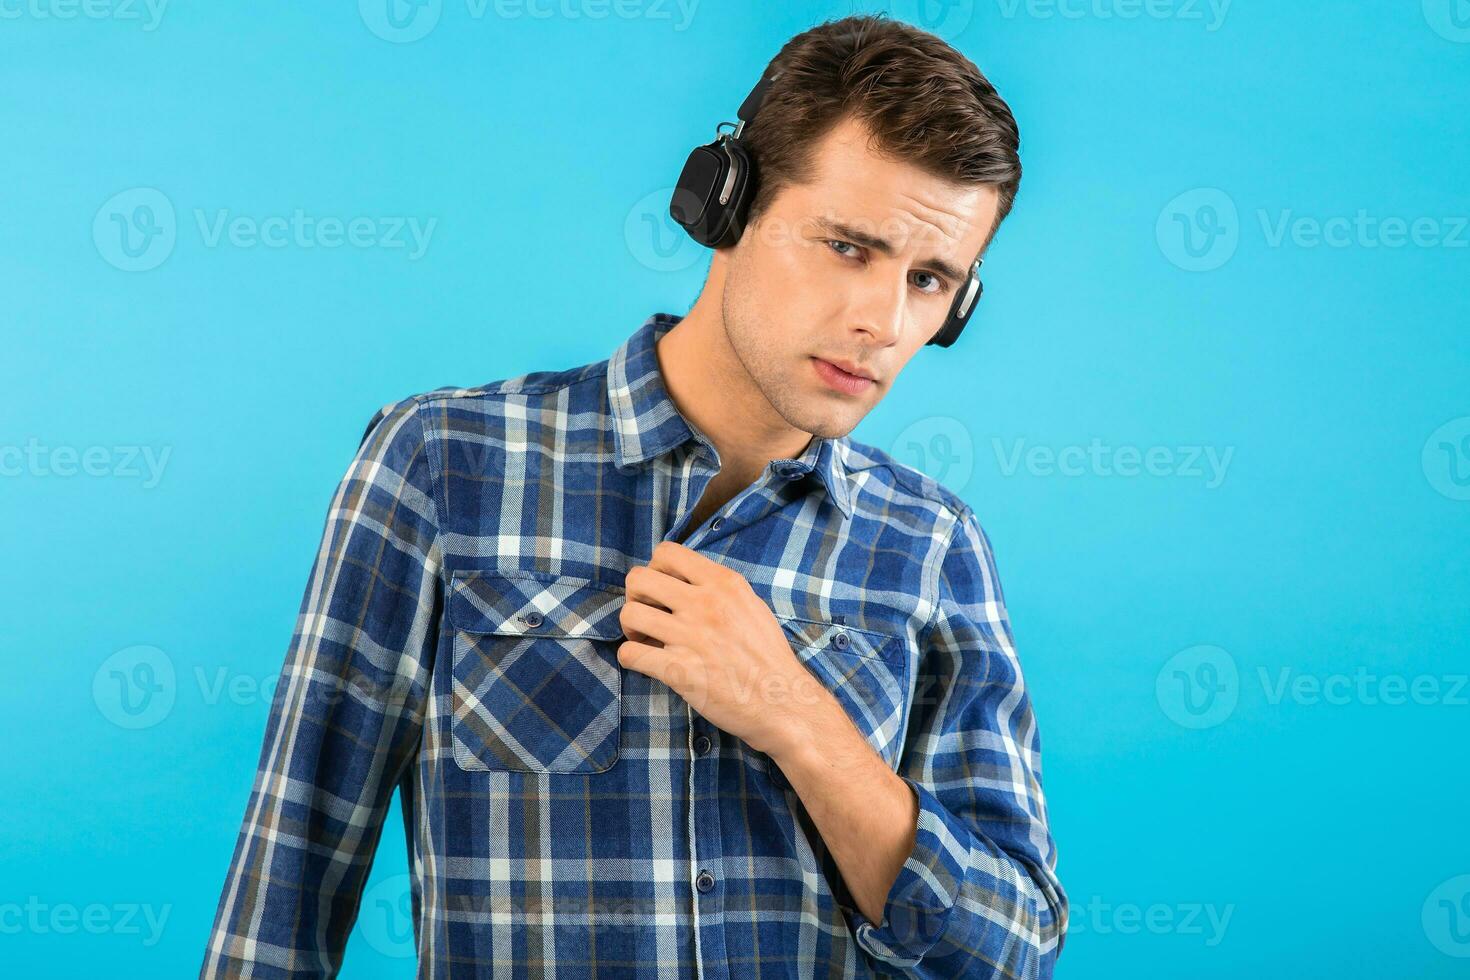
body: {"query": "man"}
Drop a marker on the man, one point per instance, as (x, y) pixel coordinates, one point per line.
(676, 679)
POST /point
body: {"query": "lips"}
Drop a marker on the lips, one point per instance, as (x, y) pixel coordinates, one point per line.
(840, 379)
(851, 369)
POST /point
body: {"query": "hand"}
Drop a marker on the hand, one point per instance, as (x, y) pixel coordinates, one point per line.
(697, 626)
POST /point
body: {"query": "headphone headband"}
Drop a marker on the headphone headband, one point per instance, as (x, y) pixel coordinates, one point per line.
(752, 103)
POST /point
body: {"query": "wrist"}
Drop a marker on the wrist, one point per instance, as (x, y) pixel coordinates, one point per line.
(811, 731)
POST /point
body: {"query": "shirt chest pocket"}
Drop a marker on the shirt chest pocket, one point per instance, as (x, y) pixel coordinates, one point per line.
(537, 686)
(865, 670)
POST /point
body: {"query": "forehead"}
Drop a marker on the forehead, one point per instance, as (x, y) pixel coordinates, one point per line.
(853, 183)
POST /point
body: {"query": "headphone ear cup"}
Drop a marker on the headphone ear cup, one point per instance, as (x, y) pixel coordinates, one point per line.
(960, 312)
(695, 190)
(742, 191)
(713, 193)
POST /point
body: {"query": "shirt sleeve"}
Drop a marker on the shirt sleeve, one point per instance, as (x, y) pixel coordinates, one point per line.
(345, 720)
(978, 896)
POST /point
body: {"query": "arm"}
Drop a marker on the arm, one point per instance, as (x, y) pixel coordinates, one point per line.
(976, 894)
(346, 718)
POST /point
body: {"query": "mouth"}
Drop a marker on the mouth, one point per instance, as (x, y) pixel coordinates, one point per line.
(845, 380)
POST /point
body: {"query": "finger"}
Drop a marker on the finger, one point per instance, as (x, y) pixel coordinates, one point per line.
(682, 673)
(651, 621)
(651, 585)
(641, 637)
(685, 563)
(656, 662)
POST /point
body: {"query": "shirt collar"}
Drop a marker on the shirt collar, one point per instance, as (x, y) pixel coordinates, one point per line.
(646, 423)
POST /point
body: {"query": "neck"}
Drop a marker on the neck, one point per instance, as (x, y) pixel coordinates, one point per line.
(711, 388)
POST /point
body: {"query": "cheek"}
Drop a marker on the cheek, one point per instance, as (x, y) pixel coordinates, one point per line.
(794, 277)
(789, 263)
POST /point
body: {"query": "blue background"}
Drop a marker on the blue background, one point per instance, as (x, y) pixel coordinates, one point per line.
(1156, 614)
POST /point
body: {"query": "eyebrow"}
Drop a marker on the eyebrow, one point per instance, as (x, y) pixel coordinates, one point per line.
(839, 230)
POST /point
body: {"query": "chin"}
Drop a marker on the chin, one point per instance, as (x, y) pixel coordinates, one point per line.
(826, 426)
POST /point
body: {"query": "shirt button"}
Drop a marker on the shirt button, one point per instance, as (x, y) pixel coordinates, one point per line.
(715, 524)
(532, 619)
(701, 745)
(840, 640)
(705, 881)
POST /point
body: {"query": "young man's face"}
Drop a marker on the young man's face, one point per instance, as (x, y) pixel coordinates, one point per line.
(806, 285)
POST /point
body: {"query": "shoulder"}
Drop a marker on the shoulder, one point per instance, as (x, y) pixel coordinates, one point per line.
(899, 485)
(453, 410)
(960, 564)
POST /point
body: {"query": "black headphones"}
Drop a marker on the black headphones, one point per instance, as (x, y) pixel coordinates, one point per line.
(715, 189)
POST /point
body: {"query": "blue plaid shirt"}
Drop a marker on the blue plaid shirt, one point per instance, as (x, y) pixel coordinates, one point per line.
(567, 817)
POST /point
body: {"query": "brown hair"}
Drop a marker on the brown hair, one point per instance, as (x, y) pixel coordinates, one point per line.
(925, 103)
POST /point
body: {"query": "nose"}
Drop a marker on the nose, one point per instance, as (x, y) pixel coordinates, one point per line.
(880, 308)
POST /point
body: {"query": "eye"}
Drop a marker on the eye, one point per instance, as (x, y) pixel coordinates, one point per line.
(939, 285)
(834, 242)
